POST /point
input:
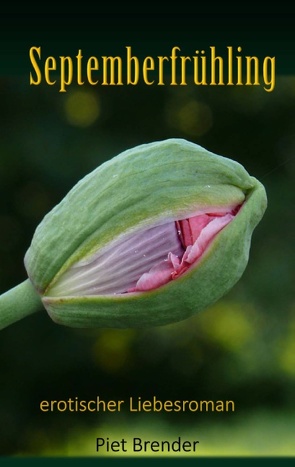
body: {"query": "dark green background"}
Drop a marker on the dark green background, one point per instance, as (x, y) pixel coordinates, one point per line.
(242, 348)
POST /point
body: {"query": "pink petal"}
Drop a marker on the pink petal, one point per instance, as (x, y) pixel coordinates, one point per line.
(191, 228)
(158, 275)
(196, 233)
(206, 236)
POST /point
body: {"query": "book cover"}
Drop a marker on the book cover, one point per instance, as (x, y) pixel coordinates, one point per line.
(147, 238)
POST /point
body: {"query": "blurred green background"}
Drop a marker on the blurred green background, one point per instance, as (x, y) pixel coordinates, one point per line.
(241, 349)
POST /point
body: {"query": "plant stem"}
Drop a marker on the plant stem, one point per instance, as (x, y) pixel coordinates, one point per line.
(18, 302)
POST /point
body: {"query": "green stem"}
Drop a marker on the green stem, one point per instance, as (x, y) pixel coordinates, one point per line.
(18, 303)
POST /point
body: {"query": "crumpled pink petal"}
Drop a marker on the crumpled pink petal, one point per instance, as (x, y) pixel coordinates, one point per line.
(158, 275)
(196, 233)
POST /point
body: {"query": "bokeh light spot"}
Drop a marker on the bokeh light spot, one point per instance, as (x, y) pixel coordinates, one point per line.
(192, 117)
(231, 328)
(286, 354)
(82, 108)
(112, 350)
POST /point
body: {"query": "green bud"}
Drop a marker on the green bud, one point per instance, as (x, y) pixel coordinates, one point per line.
(150, 237)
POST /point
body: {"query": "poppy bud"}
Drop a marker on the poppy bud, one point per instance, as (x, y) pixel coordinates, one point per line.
(150, 237)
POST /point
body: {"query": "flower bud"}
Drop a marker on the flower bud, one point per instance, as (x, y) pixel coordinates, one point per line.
(150, 237)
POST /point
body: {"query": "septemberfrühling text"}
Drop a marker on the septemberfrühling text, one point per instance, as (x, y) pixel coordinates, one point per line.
(227, 66)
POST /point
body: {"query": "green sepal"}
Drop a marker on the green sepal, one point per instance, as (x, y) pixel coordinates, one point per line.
(219, 269)
(155, 182)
